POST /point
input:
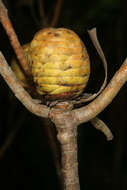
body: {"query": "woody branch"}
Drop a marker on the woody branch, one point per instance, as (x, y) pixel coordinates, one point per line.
(67, 137)
(67, 130)
(56, 13)
(7, 25)
(90, 111)
(30, 104)
(20, 93)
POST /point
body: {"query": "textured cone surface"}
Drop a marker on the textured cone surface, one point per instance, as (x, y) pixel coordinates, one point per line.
(60, 64)
(18, 70)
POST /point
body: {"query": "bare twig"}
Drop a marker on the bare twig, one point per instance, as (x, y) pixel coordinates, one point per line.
(101, 126)
(20, 93)
(66, 119)
(56, 13)
(41, 11)
(94, 108)
(41, 8)
(68, 141)
(67, 136)
(13, 38)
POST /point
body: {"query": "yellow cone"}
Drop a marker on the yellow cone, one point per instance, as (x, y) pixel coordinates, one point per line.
(59, 63)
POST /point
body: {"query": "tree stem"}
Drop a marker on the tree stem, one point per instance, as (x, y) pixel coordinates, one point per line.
(69, 158)
(56, 13)
(67, 137)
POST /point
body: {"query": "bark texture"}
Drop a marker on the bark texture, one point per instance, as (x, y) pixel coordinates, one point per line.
(90, 111)
(66, 119)
(67, 136)
(4, 19)
(19, 91)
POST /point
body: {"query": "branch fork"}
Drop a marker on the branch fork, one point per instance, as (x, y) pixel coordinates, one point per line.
(67, 137)
(62, 114)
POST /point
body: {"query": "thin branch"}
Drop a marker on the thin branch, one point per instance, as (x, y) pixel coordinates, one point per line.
(69, 158)
(41, 11)
(13, 38)
(101, 126)
(94, 108)
(67, 137)
(20, 93)
(56, 13)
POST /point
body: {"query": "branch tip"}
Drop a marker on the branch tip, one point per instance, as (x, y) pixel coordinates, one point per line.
(101, 126)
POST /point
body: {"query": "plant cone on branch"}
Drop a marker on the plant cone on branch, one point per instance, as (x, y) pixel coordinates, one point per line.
(49, 129)
(60, 64)
(57, 57)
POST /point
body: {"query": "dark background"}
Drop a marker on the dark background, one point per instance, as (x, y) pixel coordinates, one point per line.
(26, 163)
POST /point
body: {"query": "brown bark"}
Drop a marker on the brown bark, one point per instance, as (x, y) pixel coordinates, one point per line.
(13, 38)
(66, 119)
(67, 136)
(20, 93)
(56, 13)
(101, 126)
(69, 156)
(43, 19)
